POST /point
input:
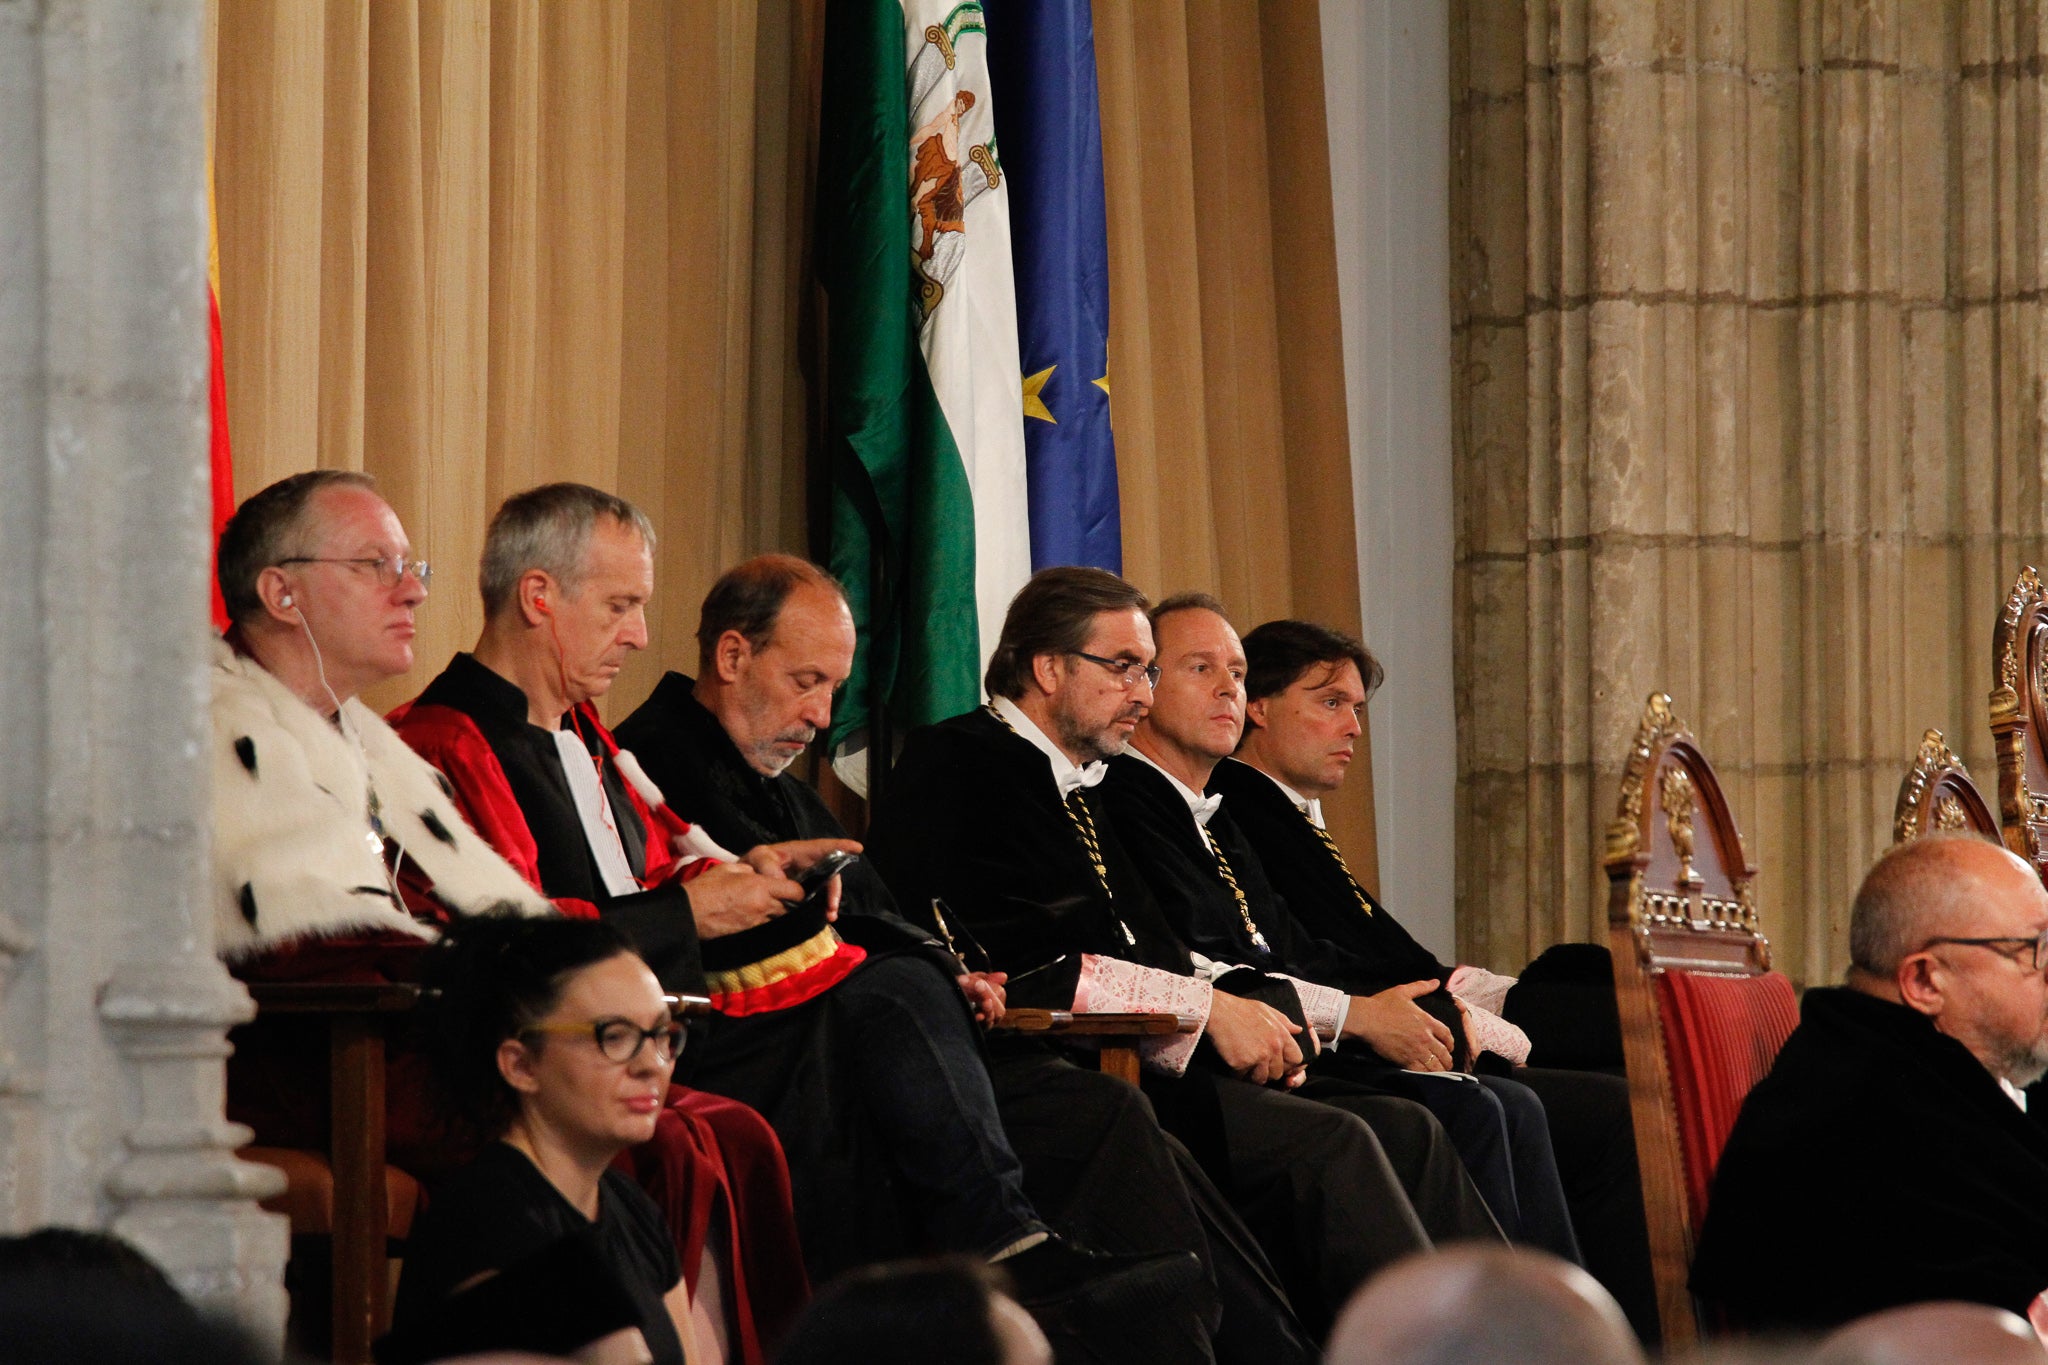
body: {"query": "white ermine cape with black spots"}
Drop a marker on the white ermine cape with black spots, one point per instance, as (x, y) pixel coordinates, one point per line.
(291, 799)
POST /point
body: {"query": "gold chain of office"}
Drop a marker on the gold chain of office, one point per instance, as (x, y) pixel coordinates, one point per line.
(1083, 821)
(1244, 908)
(1338, 854)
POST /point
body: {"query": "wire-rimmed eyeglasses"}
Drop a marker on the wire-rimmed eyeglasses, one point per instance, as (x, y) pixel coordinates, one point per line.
(390, 572)
(1127, 671)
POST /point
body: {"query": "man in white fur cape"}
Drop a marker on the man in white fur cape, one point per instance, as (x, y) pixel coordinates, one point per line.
(337, 850)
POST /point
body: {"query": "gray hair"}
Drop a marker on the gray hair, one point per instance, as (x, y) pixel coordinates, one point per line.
(549, 528)
(270, 527)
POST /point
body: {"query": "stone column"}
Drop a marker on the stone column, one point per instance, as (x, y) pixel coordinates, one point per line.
(1746, 370)
(113, 1008)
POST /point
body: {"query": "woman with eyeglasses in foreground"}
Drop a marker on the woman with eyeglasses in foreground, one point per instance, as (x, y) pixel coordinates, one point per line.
(553, 1038)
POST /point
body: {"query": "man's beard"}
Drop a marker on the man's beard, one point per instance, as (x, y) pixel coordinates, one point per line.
(2024, 1063)
(770, 760)
(1094, 745)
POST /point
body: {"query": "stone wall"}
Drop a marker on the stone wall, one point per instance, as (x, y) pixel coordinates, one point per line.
(112, 1005)
(1747, 347)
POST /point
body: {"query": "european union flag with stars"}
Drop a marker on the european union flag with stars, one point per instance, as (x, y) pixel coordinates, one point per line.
(1041, 56)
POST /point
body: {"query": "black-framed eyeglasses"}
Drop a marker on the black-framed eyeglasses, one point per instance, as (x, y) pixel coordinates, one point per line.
(2028, 952)
(1127, 671)
(390, 572)
(620, 1040)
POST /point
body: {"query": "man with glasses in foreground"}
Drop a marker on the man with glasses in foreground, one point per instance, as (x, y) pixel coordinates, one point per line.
(1887, 1159)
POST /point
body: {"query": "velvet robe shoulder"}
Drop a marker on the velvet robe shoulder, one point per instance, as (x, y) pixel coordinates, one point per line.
(1877, 1164)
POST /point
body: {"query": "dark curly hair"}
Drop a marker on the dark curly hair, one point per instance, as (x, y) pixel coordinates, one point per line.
(1279, 653)
(491, 977)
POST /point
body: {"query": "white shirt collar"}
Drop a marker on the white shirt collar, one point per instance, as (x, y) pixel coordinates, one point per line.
(1200, 806)
(1065, 772)
(1311, 806)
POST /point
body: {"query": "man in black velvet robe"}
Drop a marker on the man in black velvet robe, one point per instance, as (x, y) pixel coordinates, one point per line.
(1885, 1160)
(993, 815)
(1305, 691)
(775, 640)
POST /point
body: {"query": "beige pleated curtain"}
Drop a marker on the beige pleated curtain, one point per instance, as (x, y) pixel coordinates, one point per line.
(471, 246)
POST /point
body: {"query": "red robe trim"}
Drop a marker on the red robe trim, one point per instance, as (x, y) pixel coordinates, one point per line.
(451, 741)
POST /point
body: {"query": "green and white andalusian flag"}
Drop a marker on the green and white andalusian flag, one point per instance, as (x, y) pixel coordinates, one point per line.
(925, 421)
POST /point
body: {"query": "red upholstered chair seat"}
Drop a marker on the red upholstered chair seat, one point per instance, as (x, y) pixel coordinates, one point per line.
(1721, 1034)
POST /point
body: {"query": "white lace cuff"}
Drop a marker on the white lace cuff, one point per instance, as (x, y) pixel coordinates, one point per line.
(1491, 1033)
(1477, 986)
(1323, 1006)
(1112, 985)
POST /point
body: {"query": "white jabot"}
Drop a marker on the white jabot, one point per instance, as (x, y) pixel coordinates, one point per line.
(1200, 806)
(1070, 777)
(594, 811)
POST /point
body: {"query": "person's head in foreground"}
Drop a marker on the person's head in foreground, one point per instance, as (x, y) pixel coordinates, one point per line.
(951, 1309)
(552, 1036)
(567, 573)
(1471, 1303)
(1954, 927)
(1934, 1334)
(1075, 656)
(320, 585)
(70, 1294)
(774, 638)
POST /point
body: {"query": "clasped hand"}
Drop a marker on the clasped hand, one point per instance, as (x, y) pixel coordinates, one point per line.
(1397, 1028)
(1255, 1040)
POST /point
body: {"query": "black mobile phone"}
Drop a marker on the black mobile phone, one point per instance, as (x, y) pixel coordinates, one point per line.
(813, 878)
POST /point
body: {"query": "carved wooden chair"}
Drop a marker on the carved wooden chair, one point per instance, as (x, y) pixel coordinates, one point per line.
(347, 1193)
(1702, 1014)
(1937, 794)
(2019, 718)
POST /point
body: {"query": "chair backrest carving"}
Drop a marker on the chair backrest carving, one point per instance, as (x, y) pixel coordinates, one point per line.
(2019, 718)
(1702, 1014)
(1937, 794)
(1676, 864)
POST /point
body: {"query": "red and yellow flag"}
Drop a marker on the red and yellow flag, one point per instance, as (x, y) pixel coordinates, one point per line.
(223, 465)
